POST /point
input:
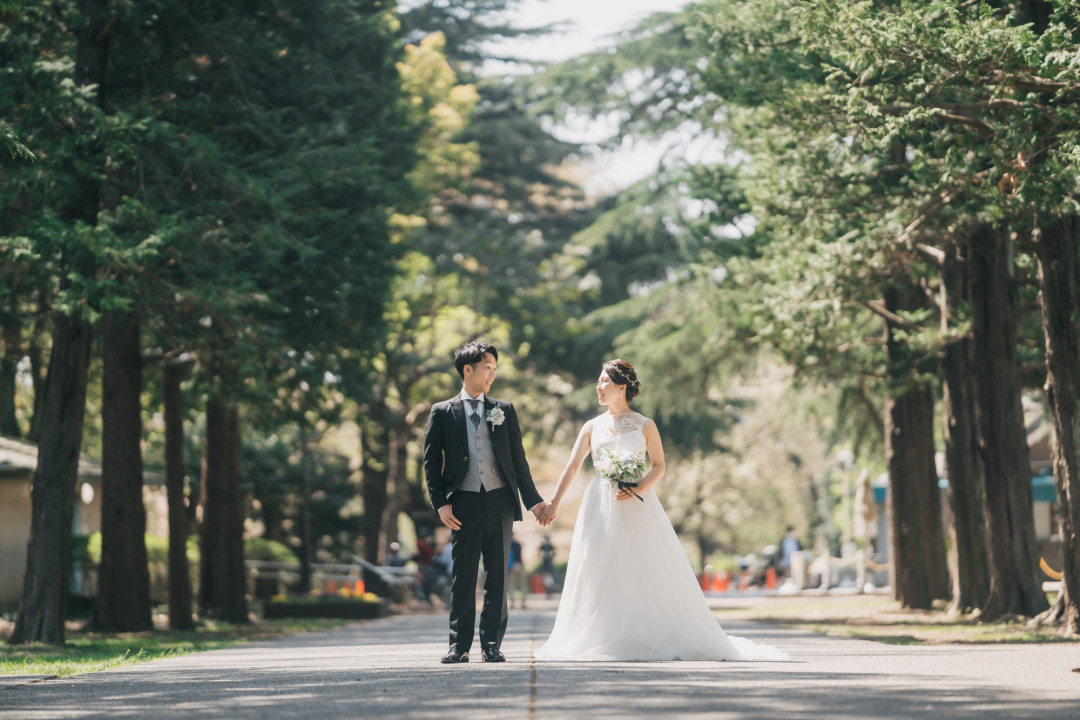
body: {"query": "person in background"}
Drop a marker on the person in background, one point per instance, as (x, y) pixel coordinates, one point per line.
(447, 557)
(789, 545)
(517, 574)
(394, 557)
(547, 565)
(425, 555)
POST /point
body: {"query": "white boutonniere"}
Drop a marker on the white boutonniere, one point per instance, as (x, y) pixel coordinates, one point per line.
(495, 416)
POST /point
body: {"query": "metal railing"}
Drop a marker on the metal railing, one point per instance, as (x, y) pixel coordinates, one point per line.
(396, 581)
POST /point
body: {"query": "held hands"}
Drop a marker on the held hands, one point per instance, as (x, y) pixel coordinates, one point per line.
(547, 513)
(538, 510)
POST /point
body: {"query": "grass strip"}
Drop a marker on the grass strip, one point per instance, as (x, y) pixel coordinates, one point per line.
(92, 652)
(881, 619)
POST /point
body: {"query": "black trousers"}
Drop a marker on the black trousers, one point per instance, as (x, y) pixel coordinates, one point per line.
(487, 521)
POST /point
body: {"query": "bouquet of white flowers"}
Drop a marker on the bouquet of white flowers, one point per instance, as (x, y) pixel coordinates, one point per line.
(622, 469)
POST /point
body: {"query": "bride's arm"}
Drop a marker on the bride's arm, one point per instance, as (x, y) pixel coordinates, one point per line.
(656, 458)
(573, 466)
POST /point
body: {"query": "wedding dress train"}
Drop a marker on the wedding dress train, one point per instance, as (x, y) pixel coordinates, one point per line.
(630, 593)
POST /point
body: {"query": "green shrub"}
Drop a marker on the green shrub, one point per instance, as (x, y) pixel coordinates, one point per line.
(157, 556)
(268, 551)
(87, 550)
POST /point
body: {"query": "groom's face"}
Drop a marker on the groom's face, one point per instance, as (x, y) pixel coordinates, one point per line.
(479, 377)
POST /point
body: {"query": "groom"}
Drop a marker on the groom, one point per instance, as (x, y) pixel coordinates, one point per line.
(475, 468)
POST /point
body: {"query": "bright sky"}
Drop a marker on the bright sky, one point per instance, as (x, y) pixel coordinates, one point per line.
(591, 22)
(590, 25)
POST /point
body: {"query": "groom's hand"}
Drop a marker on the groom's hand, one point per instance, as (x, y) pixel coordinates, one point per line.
(446, 514)
(538, 509)
(545, 513)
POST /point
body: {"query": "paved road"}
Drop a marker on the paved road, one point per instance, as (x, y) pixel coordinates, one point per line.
(389, 669)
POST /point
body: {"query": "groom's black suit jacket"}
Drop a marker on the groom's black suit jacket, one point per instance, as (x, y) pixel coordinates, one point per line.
(446, 452)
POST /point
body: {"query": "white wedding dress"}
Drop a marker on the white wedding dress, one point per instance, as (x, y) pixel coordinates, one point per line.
(630, 593)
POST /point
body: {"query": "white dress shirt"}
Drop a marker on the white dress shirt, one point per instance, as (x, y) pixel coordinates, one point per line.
(466, 397)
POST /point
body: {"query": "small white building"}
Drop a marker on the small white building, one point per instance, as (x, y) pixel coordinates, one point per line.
(18, 460)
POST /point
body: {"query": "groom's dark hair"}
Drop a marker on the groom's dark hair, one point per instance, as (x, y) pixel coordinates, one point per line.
(471, 353)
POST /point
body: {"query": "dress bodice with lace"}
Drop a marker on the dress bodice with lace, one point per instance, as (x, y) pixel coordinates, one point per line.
(621, 432)
(618, 441)
(630, 593)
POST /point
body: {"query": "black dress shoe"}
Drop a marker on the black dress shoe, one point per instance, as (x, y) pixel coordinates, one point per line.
(455, 656)
(492, 654)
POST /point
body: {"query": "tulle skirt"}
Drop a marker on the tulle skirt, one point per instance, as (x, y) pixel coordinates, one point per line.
(630, 593)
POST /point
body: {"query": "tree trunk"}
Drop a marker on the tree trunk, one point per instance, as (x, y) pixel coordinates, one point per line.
(918, 548)
(9, 423)
(235, 600)
(306, 550)
(1036, 12)
(45, 585)
(1015, 588)
(124, 589)
(398, 497)
(1059, 286)
(38, 369)
(221, 542)
(969, 564)
(180, 593)
(376, 478)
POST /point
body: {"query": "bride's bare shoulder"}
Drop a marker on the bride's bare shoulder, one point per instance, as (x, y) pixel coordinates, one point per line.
(590, 425)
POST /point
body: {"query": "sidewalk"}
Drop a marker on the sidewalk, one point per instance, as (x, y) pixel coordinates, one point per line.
(389, 668)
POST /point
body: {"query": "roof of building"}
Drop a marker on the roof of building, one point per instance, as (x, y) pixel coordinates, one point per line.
(18, 460)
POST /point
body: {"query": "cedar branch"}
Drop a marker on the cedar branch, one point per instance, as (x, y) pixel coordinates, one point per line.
(878, 307)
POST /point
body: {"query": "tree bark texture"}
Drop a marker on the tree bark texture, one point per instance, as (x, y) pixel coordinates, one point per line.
(9, 423)
(45, 585)
(38, 372)
(1015, 586)
(221, 564)
(918, 548)
(235, 600)
(307, 551)
(1059, 286)
(376, 479)
(124, 588)
(180, 591)
(969, 564)
(398, 482)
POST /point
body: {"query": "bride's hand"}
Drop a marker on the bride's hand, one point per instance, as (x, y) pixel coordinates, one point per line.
(548, 514)
(623, 494)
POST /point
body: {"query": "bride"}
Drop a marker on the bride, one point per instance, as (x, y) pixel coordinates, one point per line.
(630, 593)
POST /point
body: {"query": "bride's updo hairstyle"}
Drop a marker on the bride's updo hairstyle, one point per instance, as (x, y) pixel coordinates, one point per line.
(623, 373)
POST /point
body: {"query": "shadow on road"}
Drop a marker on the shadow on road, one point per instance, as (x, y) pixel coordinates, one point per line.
(389, 669)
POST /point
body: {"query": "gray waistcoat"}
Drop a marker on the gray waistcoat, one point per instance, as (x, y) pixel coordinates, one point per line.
(483, 468)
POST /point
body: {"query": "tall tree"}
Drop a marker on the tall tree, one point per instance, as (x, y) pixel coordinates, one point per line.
(41, 609)
(969, 564)
(180, 590)
(919, 572)
(124, 586)
(1015, 587)
(915, 81)
(222, 580)
(1059, 281)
